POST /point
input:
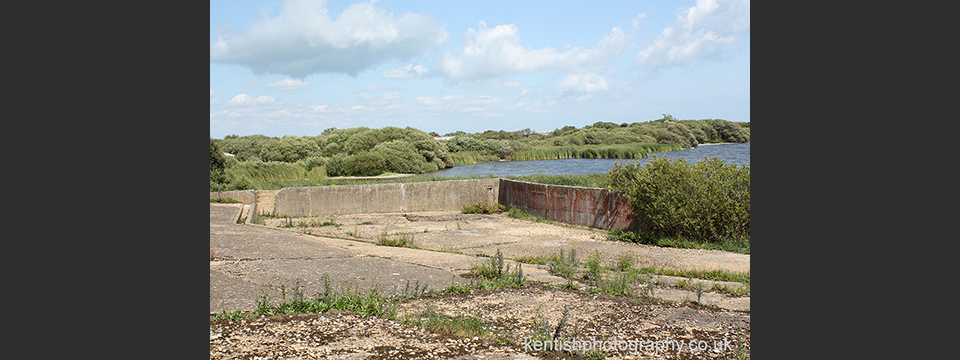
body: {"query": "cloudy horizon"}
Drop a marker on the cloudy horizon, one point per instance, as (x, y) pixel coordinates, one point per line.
(299, 67)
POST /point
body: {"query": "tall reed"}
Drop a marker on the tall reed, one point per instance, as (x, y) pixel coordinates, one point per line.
(620, 151)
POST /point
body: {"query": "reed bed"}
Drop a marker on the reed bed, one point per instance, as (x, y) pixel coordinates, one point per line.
(274, 174)
(471, 157)
(621, 151)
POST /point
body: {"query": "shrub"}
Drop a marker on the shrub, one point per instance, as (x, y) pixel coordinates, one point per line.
(312, 162)
(400, 156)
(288, 149)
(709, 200)
(483, 207)
(217, 167)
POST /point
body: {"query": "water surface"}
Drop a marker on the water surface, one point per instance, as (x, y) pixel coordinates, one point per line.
(728, 153)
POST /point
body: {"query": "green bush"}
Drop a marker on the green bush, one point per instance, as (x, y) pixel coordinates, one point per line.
(217, 167)
(312, 162)
(288, 149)
(708, 201)
(366, 164)
(484, 208)
(400, 157)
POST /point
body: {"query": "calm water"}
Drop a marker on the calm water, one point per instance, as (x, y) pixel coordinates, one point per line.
(728, 153)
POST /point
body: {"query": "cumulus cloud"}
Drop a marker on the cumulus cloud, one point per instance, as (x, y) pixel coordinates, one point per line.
(637, 20)
(303, 39)
(288, 84)
(707, 30)
(378, 87)
(405, 72)
(489, 53)
(247, 100)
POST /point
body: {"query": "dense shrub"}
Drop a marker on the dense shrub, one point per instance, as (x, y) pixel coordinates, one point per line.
(288, 149)
(400, 157)
(365, 164)
(245, 148)
(217, 166)
(312, 162)
(709, 200)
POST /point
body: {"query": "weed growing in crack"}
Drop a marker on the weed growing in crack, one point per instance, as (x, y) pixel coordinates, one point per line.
(619, 285)
(698, 287)
(593, 267)
(402, 240)
(461, 325)
(415, 292)
(565, 265)
(550, 336)
(625, 261)
(496, 274)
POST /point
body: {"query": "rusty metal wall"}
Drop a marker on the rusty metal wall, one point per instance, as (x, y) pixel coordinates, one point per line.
(598, 208)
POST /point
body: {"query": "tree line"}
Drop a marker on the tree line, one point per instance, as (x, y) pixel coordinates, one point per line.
(363, 151)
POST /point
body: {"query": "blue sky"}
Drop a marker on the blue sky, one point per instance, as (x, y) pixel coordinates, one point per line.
(299, 67)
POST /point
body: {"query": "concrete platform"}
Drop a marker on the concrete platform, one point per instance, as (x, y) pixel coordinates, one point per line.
(250, 261)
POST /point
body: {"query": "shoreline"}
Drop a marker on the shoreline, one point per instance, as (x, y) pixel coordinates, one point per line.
(725, 143)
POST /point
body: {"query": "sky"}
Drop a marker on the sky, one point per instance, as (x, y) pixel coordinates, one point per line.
(300, 67)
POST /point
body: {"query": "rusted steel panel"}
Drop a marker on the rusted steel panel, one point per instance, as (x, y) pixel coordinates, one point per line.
(598, 208)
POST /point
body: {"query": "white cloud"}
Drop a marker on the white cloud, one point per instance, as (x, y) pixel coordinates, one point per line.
(637, 20)
(405, 72)
(378, 87)
(303, 40)
(707, 30)
(426, 100)
(377, 100)
(212, 93)
(246, 100)
(288, 84)
(490, 53)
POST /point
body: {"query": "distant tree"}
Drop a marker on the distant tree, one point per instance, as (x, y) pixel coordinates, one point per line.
(217, 167)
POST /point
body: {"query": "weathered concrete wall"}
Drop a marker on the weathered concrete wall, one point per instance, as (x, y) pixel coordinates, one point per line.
(598, 208)
(384, 198)
(448, 195)
(265, 202)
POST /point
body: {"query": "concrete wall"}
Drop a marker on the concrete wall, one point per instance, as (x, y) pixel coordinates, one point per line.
(598, 208)
(384, 198)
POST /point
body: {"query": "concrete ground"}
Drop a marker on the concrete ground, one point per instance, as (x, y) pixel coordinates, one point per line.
(249, 261)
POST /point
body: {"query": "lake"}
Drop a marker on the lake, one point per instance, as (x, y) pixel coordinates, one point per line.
(728, 153)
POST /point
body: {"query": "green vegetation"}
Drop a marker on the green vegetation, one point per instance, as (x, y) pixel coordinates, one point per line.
(362, 151)
(708, 200)
(461, 325)
(225, 201)
(483, 207)
(623, 151)
(402, 240)
(640, 237)
(494, 275)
